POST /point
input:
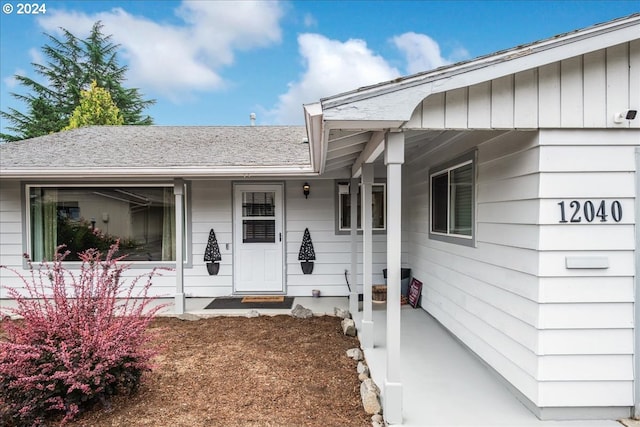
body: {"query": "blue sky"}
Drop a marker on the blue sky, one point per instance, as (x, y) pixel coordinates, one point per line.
(215, 62)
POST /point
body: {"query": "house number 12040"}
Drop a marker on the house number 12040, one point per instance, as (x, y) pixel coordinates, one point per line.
(590, 211)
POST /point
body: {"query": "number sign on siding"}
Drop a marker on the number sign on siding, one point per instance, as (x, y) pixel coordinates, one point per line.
(590, 211)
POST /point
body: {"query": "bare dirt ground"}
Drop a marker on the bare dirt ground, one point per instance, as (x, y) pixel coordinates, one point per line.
(237, 371)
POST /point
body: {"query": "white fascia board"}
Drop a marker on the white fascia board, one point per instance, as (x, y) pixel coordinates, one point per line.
(317, 144)
(404, 95)
(363, 125)
(120, 173)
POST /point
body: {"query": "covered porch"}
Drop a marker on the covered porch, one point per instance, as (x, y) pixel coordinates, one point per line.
(444, 383)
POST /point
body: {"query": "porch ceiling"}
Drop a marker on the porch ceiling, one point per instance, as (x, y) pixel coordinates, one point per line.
(345, 145)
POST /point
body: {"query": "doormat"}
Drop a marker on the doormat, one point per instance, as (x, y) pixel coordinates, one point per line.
(263, 299)
(241, 303)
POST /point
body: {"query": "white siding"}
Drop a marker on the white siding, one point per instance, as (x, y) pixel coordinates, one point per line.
(211, 208)
(586, 315)
(333, 252)
(546, 328)
(11, 248)
(485, 295)
(583, 91)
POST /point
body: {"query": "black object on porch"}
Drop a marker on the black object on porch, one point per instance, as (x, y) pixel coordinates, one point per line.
(405, 276)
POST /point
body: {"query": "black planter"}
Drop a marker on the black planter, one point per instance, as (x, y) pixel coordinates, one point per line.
(307, 267)
(213, 268)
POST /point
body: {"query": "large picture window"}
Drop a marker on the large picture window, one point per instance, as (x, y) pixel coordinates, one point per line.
(378, 208)
(452, 202)
(141, 218)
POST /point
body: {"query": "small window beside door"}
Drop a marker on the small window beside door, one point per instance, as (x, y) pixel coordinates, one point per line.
(452, 201)
(378, 208)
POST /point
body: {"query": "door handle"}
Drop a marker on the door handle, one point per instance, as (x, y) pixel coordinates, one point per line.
(281, 237)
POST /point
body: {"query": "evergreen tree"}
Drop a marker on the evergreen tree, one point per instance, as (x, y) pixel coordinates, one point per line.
(72, 65)
(96, 108)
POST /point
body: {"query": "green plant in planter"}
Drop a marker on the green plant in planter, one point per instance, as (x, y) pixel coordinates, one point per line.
(212, 254)
(307, 255)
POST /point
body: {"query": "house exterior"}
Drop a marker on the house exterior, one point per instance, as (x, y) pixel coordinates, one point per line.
(508, 184)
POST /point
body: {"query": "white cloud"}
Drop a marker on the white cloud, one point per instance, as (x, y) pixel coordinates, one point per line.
(421, 52)
(176, 59)
(331, 67)
(11, 81)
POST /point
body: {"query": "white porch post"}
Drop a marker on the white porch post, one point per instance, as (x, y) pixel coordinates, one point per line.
(178, 190)
(393, 158)
(353, 295)
(367, 255)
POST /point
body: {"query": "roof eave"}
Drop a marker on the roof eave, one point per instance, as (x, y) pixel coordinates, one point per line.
(157, 173)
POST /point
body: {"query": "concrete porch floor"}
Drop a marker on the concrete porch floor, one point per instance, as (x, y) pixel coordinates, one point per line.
(444, 384)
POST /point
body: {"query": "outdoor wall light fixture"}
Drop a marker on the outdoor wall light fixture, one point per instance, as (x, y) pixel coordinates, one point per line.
(625, 115)
(305, 190)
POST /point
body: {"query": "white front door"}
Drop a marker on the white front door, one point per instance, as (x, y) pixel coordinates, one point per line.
(258, 238)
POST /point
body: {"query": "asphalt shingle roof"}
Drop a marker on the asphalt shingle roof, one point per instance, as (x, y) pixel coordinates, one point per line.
(160, 147)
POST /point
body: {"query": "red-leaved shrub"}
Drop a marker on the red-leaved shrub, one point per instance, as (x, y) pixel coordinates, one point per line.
(83, 339)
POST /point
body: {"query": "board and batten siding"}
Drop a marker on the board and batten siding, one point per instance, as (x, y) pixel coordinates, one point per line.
(585, 91)
(563, 337)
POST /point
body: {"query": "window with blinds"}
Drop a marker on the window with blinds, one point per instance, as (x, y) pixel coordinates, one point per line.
(452, 201)
(258, 217)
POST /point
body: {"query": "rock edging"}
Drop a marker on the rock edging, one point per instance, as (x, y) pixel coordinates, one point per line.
(369, 391)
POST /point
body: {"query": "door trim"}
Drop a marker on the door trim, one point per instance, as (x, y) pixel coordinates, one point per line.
(281, 225)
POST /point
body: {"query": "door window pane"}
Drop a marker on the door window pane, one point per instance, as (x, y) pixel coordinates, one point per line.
(258, 203)
(258, 231)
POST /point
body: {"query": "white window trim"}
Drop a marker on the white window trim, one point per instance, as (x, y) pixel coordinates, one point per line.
(344, 230)
(26, 226)
(463, 239)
